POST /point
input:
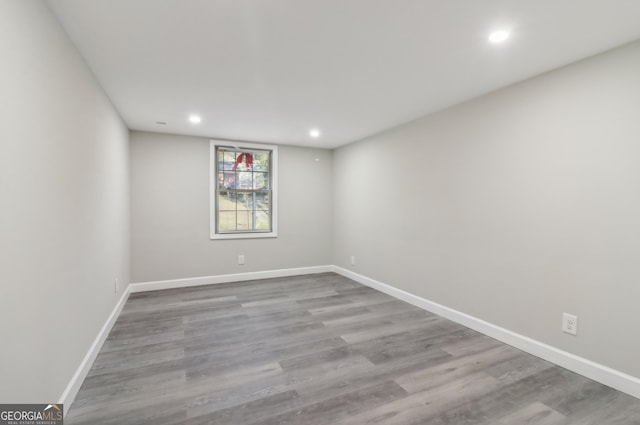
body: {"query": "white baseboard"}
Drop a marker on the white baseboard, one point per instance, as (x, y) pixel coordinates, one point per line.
(598, 372)
(225, 278)
(70, 392)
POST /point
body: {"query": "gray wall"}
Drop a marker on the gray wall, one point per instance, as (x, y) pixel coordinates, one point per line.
(170, 212)
(65, 205)
(514, 207)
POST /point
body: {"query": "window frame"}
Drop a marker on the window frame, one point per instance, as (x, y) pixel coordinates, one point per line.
(214, 189)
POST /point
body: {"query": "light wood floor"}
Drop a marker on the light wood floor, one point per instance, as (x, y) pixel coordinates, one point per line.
(321, 349)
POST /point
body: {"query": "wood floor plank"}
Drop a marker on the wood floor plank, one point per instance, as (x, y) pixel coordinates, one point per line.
(339, 408)
(454, 369)
(418, 407)
(253, 411)
(534, 414)
(316, 350)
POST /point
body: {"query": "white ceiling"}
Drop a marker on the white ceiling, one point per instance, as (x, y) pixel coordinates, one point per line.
(269, 70)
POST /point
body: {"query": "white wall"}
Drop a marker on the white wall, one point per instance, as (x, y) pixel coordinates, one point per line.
(64, 210)
(170, 212)
(514, 207)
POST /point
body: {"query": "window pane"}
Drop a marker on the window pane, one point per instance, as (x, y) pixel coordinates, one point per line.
(227, 201)
(245, 201)
(262, 220)
(245, 180)
(261, 161)
(229, 160)
(262, 202)
(227, 180)
(261, 181)
(220, 160)
(244, 219)
(226, 221)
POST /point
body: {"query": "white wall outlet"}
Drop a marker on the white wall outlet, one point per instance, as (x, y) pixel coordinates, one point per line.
(241, 260)
(353, 260)
(115, 286)
(570, 323)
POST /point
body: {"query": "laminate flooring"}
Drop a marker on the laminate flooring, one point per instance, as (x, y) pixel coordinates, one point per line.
(321, 349)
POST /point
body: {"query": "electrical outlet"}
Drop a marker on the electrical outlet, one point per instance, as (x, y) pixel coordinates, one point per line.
(115, 286)
(570, 323)
(241, 260)
(353, 260)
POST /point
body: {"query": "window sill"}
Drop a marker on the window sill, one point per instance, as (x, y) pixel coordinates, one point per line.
(244, 235)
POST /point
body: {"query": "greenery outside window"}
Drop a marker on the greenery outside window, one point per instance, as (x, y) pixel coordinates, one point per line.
(243, 190)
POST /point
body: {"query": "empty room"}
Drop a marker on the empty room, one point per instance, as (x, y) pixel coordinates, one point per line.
(317, 212)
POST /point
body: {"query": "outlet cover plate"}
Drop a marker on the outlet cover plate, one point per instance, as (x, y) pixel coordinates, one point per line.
(570, 323)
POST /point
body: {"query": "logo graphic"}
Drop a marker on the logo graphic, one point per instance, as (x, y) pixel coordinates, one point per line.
(31, 414)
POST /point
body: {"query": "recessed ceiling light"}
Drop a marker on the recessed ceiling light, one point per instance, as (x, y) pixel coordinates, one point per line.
(498, 36)
(195, 119)
(314, 132)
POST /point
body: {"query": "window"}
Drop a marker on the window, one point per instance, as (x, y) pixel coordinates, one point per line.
(243, 190)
